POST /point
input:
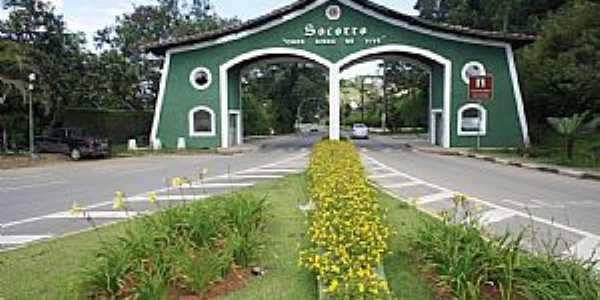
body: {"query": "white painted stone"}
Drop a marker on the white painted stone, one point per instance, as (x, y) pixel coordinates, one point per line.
(181, 143)
(132, 145)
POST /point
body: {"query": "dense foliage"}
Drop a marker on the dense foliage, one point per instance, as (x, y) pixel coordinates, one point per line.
(347, 230)
(118, 75)
(472, 265)
(186, 247)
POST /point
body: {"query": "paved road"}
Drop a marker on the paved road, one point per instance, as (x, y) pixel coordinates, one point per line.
(553, 206)
(34, 202)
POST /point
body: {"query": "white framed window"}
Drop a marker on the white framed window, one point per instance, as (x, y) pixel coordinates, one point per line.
(333, 12)
(201, 78)
(473, 68)
(472, 120)
(202, 122)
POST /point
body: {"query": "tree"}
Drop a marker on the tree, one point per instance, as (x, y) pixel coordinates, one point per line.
(167, 19)
(501, 15)
(560, 71)
(568, 128)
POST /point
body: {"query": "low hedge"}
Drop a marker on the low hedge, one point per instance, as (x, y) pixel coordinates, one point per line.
(348, 235)
(185, 248)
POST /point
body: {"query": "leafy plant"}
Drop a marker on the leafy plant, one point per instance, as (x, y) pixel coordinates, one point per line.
(568, 128)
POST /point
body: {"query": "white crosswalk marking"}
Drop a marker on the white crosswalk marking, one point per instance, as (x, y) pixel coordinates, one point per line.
(382, 176)
(402, 185)
(21, 239)
(216, 185)
(263, 170)
(169, 198)
(587, 248)
(496, 215)
(253, 176)
(95, 215)
(435, 197)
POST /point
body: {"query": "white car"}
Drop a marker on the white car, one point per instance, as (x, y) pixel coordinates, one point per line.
(360, 131)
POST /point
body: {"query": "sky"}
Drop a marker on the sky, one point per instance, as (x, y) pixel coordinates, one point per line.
(91, 15)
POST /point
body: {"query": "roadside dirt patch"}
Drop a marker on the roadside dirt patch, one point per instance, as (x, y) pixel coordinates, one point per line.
(235, 280)
(16, 161)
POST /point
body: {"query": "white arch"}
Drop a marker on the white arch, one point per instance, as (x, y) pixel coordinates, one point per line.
(419, 52)
(192, 131)
(223, 78)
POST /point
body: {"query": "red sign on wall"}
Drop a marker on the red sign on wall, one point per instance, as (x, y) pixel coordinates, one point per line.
(481, 87)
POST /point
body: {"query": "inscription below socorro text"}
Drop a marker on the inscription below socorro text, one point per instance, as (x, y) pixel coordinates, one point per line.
(348, 35)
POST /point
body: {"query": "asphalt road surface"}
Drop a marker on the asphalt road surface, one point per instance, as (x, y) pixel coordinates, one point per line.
(34, 203)
(557, 213)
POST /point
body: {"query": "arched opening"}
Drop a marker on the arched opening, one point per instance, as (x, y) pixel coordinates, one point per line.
(287, 88)
(422, 103)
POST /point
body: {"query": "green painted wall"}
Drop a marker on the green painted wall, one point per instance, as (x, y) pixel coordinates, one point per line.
(503, 123)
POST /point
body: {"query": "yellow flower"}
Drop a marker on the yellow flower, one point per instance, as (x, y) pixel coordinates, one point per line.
(333, 286)
(152, 198)
(119, 201)
(76, 210)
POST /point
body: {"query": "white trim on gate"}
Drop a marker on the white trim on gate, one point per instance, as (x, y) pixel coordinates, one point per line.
(447, 36)
(433, 124)
(238, 113)
(517, 92)
(223, 78)
(161, 97)
(446, 63)
(482, 123)
(213, 122)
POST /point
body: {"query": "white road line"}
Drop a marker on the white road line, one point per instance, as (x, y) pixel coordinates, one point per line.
(169, 198)
(516, 203)
(544, 204)
(402, 185)
(251, 176)
(32, 186)
(527, 216)
(586, 248)
(95, 215)
(105, 203)
(383, 176)
(496, 215)
(435, 197)
(215, 185)
(263, 170)
(21, 239)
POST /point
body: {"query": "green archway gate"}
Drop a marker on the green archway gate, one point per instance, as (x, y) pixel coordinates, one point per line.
(199, 101)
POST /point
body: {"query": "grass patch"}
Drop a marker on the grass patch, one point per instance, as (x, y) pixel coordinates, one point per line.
(401, 267)
(54, 269)
(550, 150)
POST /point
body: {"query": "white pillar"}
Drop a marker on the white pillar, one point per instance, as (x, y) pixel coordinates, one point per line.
(132, 145)
(334, 103)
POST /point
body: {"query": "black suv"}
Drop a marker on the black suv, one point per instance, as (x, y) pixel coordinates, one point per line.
(73, 142)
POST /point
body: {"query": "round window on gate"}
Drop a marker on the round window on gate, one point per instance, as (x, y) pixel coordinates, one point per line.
(471, 69)
(333, 12)
(200, 78)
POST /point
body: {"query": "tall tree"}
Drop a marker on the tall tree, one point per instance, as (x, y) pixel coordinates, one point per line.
(560, 71)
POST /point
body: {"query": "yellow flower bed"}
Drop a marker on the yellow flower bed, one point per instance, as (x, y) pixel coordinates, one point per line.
(347, 232)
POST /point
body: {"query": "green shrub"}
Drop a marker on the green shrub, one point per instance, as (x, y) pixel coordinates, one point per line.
(186, 246)
(457, 251)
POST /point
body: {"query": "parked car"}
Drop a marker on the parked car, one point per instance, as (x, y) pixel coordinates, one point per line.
(73, 142)
(360, 131)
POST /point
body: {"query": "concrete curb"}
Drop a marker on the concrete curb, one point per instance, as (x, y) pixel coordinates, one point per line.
(531, 166)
